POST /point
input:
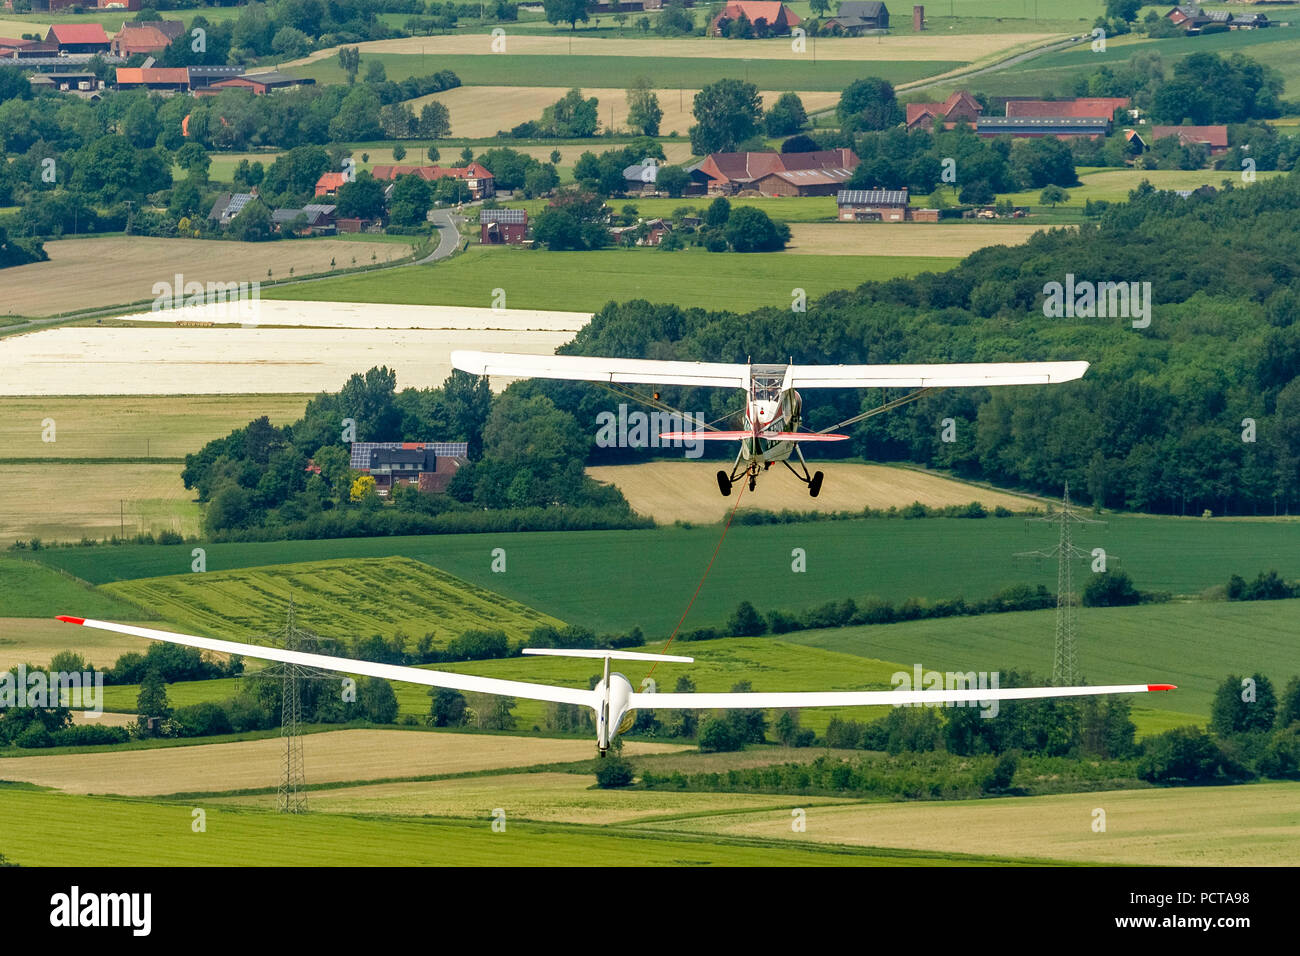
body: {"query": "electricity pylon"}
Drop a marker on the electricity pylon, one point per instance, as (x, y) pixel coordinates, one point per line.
(1065, 657)
(291, 796)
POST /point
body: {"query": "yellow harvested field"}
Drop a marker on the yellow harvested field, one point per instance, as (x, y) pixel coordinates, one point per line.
(966, 47)
(132, 426)
(901, 238)
(34, 640)
(117, 270)
(479, 111)
(64, 501)
(366, 315)
(1255, 825)
(230, 360)
(339, 755)
(551, 797)
(673, 152)
(671, 491)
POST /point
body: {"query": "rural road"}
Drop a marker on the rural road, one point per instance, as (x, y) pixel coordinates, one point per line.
(448, 236)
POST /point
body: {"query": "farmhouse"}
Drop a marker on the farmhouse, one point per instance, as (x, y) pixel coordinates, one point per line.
(230, 205)
(647, 232)
(317, 219)
(818, 173)
(879, 205)
(960, 107)
(152, 37)
(476, 177)
(855, 17)
(1215, 138)
(502, 226)
(428, 466)
(641, 177)
(769, 17)
(78, 38)
(329, 183)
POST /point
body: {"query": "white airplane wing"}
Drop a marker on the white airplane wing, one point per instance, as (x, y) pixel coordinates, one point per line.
(863, 698)
(583, 369)
(344, 665)
(965, 375)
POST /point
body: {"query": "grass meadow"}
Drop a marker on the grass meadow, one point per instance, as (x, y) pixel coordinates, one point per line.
(582, 281)
(614, 580)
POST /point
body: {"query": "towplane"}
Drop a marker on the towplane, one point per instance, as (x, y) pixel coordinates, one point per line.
(614, 699)
(773, 414)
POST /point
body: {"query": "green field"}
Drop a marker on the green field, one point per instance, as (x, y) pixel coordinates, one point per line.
(1114, 185)
(505, 69)
(585, 281)
(1193, 644)
(336, 599)
(29, 589)
(1056, 72)
(613, 580)
(51, 829)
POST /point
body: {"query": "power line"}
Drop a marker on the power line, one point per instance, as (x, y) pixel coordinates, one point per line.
(1065, 656)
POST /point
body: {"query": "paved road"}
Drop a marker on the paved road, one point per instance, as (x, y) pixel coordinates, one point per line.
(448, 236)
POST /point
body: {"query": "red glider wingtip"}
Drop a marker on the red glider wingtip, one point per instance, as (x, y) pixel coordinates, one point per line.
(70, 620)
(1162, 687)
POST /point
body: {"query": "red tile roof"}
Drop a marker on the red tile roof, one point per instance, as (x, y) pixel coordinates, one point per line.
(329, 182)
(769, 10)
(1103, 107)
(472, 171)
(78, 33)
(153, 74)
(145, 39)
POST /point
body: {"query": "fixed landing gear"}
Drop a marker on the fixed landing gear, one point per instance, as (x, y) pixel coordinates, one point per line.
(724, 484)
(813, 481)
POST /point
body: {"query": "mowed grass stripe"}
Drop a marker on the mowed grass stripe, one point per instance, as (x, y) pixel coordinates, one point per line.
(338, 599)
(50, 829)
(586, 281)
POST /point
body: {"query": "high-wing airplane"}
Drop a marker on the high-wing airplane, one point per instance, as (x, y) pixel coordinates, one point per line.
(773, 413)
(613, 699)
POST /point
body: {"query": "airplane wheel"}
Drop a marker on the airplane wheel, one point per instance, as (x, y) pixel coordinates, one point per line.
(724, 484)
(815, 486)
(752, 482)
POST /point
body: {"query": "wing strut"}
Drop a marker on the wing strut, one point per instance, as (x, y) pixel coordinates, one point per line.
(880, 409)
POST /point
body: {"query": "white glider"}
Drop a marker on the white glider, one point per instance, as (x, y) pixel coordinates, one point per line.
(613, 699)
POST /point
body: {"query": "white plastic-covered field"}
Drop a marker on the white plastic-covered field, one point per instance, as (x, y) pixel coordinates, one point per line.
(293, 347)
